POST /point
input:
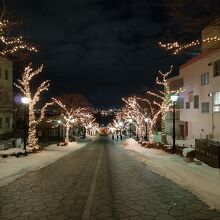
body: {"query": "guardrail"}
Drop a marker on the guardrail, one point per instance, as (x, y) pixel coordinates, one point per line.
(208, 151)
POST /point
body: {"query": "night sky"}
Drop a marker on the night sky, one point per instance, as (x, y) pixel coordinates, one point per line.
(104, 49)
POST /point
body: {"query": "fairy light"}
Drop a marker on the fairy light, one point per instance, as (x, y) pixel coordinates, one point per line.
(11, 45)
(73, 116)
(23, 85)
(177, 47)
(164, 97)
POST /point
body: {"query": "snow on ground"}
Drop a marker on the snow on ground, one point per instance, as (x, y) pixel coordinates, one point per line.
(202, 180)
(187, 150)
(11, 168)
(12, 150)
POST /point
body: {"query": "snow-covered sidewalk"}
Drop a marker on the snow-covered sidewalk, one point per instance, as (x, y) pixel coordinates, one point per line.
(12, 167)
(202, 180)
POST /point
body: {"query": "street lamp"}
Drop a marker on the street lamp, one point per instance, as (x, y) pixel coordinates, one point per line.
(59, 122)
(130, 121)
(121, 124)
(25, 101)
(174, 98)
(146, 124)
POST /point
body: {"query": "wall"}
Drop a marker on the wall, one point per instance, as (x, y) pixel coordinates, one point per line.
(200, 124)
(6, 98)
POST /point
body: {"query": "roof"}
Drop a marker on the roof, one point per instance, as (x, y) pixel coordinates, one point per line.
(199, 57)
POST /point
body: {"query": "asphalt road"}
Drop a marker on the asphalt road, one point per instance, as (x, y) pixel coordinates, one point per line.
(100, 181)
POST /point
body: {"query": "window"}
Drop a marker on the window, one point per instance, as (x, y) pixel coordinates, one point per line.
(216, 70)
(205, 79)
(1, 123)
(216, 102)
(6, 74)
(190, 96)
(205, 107)
(187, 105)
(7, 122)
(181, 102)
(196, 101)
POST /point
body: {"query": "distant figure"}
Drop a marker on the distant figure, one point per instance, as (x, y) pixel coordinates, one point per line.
(117, 137)
(113, 137)
(137, 137)
(121, 137)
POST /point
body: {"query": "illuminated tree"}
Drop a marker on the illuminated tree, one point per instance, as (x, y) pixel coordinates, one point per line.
(24, 86)
(10, 45)
(163, 95)
(135, 112)
(74, 111)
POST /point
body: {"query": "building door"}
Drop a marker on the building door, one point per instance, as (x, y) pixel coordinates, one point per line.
(182, 132)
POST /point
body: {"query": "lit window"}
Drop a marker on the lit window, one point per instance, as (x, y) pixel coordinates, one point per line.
(205, 79)
(216, 102)
(216, 68)
(205, 107)
(196, 101)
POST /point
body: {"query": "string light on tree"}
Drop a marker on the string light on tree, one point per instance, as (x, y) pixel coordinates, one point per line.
(164, 97)
(23, 85)
(73, 116)
(11, 45)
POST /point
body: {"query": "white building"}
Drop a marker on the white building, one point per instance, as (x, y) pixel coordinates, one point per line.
(201, 112)
(198, 115)
(6, 98)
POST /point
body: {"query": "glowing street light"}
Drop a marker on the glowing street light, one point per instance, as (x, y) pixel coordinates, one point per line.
(121, 124)
(174, 98)
(25, 100)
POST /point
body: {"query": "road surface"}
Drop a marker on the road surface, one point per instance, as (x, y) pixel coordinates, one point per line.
(99, 182)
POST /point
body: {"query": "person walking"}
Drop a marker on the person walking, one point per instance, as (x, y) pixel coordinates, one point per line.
(121, 137)
(117, 137)
(113, 137)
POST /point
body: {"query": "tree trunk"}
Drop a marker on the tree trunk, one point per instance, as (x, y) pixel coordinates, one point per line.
(32, 140)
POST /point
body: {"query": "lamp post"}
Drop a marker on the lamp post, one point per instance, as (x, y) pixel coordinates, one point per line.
(174, 99)
(146, 124)
(130, 121)
(25, 101)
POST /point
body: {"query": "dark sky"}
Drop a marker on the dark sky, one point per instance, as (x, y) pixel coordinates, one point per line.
(104, 49)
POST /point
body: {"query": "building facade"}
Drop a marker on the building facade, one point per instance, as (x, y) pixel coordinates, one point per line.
(201, 79)
(198, 114)
(6, 98)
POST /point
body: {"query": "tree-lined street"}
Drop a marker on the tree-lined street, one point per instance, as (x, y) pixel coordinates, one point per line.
(99, 181)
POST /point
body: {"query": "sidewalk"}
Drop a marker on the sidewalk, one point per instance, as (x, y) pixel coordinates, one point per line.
(11, 168)
(201, 180)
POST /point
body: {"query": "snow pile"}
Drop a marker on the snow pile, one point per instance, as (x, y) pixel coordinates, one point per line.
(130, 142)
(12, 150)
(202, 180)
(12, 167)
(187, 151)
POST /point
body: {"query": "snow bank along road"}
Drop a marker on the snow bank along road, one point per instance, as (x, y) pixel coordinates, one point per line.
(99, 181)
